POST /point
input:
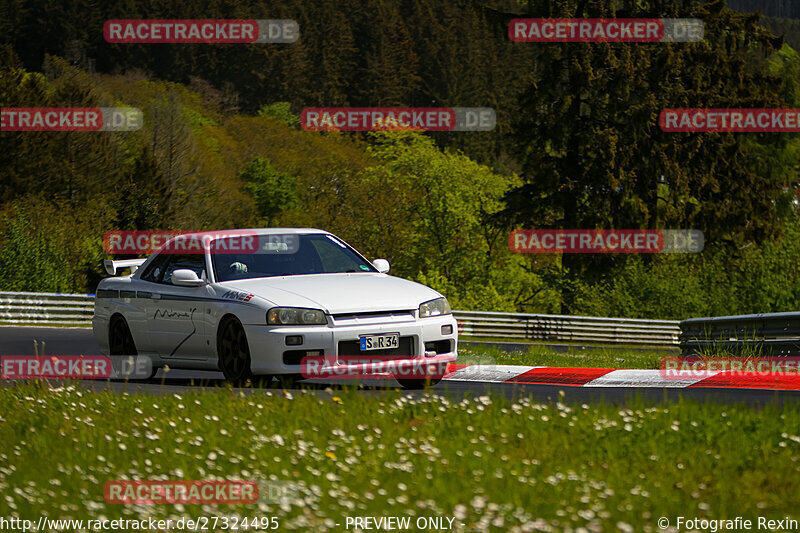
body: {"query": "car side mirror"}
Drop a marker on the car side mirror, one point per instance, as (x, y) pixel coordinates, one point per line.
(183, 277)
(382, 265)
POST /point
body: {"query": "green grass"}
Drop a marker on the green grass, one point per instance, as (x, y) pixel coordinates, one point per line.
(492, 463)
(576, 357)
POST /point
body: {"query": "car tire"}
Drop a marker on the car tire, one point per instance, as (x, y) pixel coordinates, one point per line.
(234, 352)
(417, 384)
(120, 342)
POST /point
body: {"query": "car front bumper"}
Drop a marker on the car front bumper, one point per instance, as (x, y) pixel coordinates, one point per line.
(268, 346)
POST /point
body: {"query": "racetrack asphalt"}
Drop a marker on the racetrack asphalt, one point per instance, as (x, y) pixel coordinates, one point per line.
(19, 340)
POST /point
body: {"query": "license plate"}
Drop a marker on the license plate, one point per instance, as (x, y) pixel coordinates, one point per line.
(384, 341)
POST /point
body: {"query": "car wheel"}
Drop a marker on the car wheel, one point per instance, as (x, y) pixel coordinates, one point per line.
(120, 342)
(234, 352)
(417, 384)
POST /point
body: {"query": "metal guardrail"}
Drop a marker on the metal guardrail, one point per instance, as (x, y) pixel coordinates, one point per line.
(568, 329)
(46, 308)
(763, 334)
(77, 310)
(774, 333)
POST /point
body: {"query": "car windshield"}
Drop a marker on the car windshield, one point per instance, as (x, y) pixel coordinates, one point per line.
(286, 255)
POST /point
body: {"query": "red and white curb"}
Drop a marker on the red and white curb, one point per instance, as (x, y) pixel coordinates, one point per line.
(606, 377)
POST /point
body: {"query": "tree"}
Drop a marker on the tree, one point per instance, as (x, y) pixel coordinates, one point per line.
(592, 151)
(273, 191)
(281, 111)
(428, 210)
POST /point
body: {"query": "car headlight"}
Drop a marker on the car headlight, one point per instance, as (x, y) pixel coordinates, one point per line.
(295, 316)
(436, 307)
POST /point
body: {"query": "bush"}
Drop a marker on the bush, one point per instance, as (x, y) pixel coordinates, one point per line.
(30, 259)
(718, 282)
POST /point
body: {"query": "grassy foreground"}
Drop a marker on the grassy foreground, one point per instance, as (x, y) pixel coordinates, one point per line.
(489, 462)
(599, 357)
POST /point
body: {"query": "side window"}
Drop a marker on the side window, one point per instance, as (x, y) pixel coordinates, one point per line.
(155, 269)
(195, 262)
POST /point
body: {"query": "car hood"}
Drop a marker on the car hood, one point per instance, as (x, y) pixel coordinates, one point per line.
(338, 293)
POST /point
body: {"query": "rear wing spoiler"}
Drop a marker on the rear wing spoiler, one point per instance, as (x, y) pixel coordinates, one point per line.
(113, 266)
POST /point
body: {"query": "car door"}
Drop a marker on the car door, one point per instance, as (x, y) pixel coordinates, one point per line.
(176, 319)
(147, 289)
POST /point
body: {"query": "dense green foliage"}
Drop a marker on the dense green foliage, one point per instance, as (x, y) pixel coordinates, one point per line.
(577, 146)
(273, 192)
(718, 282)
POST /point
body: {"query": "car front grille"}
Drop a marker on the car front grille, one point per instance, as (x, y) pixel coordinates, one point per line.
(373, 317)
(407, 347)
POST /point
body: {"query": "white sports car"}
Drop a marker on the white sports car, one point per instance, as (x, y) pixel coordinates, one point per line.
(263, 311)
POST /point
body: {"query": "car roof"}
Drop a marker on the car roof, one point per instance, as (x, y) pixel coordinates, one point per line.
(259, 231)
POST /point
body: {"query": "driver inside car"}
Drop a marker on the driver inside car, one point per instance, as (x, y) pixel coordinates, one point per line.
(237, 269)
